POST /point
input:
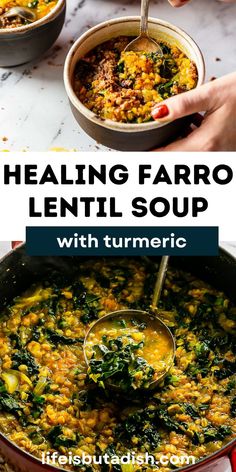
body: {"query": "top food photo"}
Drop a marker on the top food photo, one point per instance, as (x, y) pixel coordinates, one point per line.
(94, 75)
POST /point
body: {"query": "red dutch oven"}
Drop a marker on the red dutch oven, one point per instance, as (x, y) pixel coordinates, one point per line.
(18, 271)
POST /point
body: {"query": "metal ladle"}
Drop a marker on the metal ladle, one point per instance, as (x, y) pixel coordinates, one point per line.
(145, 317)
(143, 43)
(23, 12)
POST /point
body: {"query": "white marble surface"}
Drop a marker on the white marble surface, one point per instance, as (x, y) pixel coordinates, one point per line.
(34, 111)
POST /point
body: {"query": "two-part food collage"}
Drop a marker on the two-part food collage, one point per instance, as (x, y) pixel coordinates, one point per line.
(117, 222)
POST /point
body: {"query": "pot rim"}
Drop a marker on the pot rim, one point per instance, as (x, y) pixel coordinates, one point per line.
(112, 125)
(45, 19)
(51, 468)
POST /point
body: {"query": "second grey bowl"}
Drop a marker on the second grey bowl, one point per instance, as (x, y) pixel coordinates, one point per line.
(25, 43)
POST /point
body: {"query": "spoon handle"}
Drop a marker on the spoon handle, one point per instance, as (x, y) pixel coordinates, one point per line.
(160, 281)
(144, 17)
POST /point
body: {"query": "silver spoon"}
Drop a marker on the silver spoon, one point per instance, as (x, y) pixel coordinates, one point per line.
(23, 12)
(160, 282)
(145, 317)
(143, 43)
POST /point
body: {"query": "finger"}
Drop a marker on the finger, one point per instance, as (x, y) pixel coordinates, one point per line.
(191, 143)
(187, 103)
(14, 244)
(178, 3)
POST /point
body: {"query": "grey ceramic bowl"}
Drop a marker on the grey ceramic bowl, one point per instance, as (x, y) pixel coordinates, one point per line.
(25, 43)
(122, 136)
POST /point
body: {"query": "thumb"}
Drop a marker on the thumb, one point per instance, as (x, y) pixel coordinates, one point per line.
(184, 104)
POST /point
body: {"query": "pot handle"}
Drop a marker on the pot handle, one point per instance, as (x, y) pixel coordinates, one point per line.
(15, 244)
(233, 460)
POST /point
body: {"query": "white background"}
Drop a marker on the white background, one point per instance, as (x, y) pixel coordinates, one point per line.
(14, 198)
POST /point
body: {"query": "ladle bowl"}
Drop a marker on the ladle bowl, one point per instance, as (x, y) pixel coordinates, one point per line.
(142, 317)
(23, 12)
(144, 43)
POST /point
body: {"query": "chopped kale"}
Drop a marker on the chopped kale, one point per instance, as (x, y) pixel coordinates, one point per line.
(141, 425)
(119, 280)
(36, 333)
(164, 89)
(89, 315)
(165, 49)
(213, 434)
(57, 338)
(168, 68)
(2, 388)
(154, 56)
(233, 407)
(25, 358)
(89, 399)
(170, 423)
(37, 437)
(110, 451)
(84, 301)
(118, 365)
(15, 341)
(57, 438)
(79, 294)
(120, 67)
(8, 403)
(230, 386)
(37, 402)
(191, 410)
(53, 305)
(103, 281)
(210, 298)
(227, 368)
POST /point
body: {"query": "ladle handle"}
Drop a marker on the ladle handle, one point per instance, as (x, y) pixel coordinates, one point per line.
(144, 17)
(160, 281)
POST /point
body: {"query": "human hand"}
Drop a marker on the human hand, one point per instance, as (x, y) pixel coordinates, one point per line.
(178, 3)
(216, 130)
(181, 3)
(15, 244)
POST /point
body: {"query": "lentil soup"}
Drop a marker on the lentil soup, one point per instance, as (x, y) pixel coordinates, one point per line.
(48, 403)
(124, 86)
(39, 7)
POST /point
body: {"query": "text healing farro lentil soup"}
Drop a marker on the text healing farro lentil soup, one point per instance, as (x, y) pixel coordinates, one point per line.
(40, 8)
(48, 402)
(124, 86)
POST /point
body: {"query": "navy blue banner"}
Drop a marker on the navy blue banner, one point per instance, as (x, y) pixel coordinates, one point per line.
(122, 241)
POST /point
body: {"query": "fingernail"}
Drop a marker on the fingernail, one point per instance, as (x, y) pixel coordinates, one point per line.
(160, 112)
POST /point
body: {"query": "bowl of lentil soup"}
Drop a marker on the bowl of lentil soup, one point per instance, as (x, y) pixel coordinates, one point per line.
(112, 92)
(22, 41)
(51, 406)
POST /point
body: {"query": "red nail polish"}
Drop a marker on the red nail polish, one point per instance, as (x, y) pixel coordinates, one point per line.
(160, 112)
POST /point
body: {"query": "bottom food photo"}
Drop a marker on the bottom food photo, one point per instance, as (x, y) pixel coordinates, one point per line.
(146, 382)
